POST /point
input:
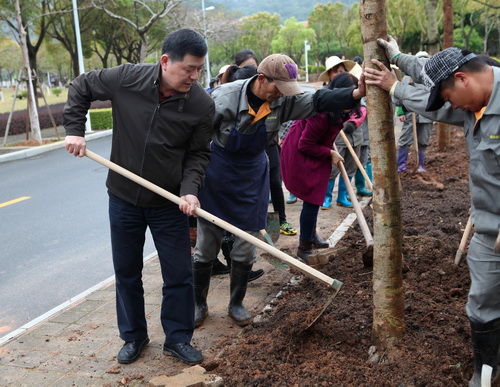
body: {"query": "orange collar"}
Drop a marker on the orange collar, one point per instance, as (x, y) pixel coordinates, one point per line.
(263, 111)
(479, 114)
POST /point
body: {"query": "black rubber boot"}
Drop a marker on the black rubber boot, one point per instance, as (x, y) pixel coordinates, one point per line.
(239, 280)
(318, 242)
(226, 247)
(304, 250)
(486, 346)
(201, 282)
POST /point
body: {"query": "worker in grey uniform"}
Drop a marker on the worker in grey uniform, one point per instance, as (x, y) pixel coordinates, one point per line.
(248, 116)
(405, 140)
(464, 91)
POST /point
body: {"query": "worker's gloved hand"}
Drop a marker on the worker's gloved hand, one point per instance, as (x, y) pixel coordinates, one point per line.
(391, 48)
(349, 127)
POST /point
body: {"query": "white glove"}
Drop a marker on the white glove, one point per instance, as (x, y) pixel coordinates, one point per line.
(391, 48)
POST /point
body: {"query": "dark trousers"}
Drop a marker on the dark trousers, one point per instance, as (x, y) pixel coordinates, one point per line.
(308, 220)
(169, 228)
(277, 197)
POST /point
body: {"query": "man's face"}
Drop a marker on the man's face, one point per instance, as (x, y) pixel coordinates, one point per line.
(333, 72)
(460, 94)
(181, 75)
(266, 90)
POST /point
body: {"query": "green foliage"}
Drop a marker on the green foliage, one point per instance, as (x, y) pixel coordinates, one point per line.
(101, 118)
(287, 9)
(22, 94)
(258, 31)
(475, 43)
(291, 37)
(57, 92)
(315, 69)
(332, 24)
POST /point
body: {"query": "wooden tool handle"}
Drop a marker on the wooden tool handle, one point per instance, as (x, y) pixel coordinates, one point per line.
(415, 135)
(463, 241)
(356, 159)
(290, 261)
(357, 208)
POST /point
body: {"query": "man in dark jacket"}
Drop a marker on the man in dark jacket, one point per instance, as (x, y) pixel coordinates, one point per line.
(162, 124)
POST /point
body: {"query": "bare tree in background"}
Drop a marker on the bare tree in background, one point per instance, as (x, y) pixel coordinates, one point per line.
(32, 108)
(141, 9)
(388, 304)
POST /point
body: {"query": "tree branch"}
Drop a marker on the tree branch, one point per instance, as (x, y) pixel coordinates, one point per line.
(488, 5)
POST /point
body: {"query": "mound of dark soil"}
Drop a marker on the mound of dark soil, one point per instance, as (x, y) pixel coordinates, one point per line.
(436, 349)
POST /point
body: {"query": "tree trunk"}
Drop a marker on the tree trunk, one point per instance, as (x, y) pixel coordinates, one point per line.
(33, 112)
(444, 129)
(447, 24)
(388, 304)
(432, 26)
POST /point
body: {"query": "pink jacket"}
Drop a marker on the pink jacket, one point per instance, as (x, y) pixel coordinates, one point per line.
(305, 156)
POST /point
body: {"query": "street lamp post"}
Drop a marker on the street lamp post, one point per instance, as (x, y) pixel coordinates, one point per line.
(307, 47)
(207, 62)
(88, 126)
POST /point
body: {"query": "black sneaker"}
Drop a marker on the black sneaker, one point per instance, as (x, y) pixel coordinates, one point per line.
(183, 351)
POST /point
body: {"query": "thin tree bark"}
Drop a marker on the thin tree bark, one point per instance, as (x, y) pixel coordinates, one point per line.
(432, 43)
(33, 111)
(447, 23)
(388, 304)
(444, 129)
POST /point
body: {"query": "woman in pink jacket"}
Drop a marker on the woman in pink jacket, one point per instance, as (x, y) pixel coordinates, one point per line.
(307, 156)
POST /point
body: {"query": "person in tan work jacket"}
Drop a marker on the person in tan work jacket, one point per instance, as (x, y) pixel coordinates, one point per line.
(464, 91)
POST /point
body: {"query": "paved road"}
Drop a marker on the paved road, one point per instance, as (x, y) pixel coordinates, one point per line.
(54, 244)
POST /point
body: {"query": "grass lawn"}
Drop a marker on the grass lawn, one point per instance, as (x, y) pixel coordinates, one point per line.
(8, 94)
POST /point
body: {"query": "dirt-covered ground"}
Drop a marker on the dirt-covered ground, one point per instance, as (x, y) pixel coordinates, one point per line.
(335, 350)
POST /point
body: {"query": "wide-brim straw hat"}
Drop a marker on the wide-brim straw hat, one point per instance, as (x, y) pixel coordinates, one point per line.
(357, 70)
(332, 62)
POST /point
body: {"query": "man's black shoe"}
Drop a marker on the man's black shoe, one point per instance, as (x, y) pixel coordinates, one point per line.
(183, 351)
(220, 268)
(254, 274)
(131, 351)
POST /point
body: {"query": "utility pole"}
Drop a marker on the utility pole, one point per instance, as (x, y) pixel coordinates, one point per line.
(307, 47)
(88, 126)
(207, 62)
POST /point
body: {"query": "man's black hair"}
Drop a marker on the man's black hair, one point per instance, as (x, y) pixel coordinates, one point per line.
(489, 60)
(244, 72)
(358, 59)
(341, 81)
(184, 41)
(475, 65)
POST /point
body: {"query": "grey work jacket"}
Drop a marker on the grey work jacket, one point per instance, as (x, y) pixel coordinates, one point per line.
(230, 113)
(483, 143)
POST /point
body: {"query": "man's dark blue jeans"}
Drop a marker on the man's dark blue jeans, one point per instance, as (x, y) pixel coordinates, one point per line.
(169, 228)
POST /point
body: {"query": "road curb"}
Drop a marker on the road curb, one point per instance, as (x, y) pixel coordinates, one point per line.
(35, 151)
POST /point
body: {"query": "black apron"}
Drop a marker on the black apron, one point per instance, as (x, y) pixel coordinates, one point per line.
(237, 180)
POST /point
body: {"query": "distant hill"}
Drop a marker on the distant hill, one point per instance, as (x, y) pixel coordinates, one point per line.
(300, 9)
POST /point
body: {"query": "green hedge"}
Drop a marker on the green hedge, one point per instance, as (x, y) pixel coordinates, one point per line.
(315, 69)
(101, 119)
